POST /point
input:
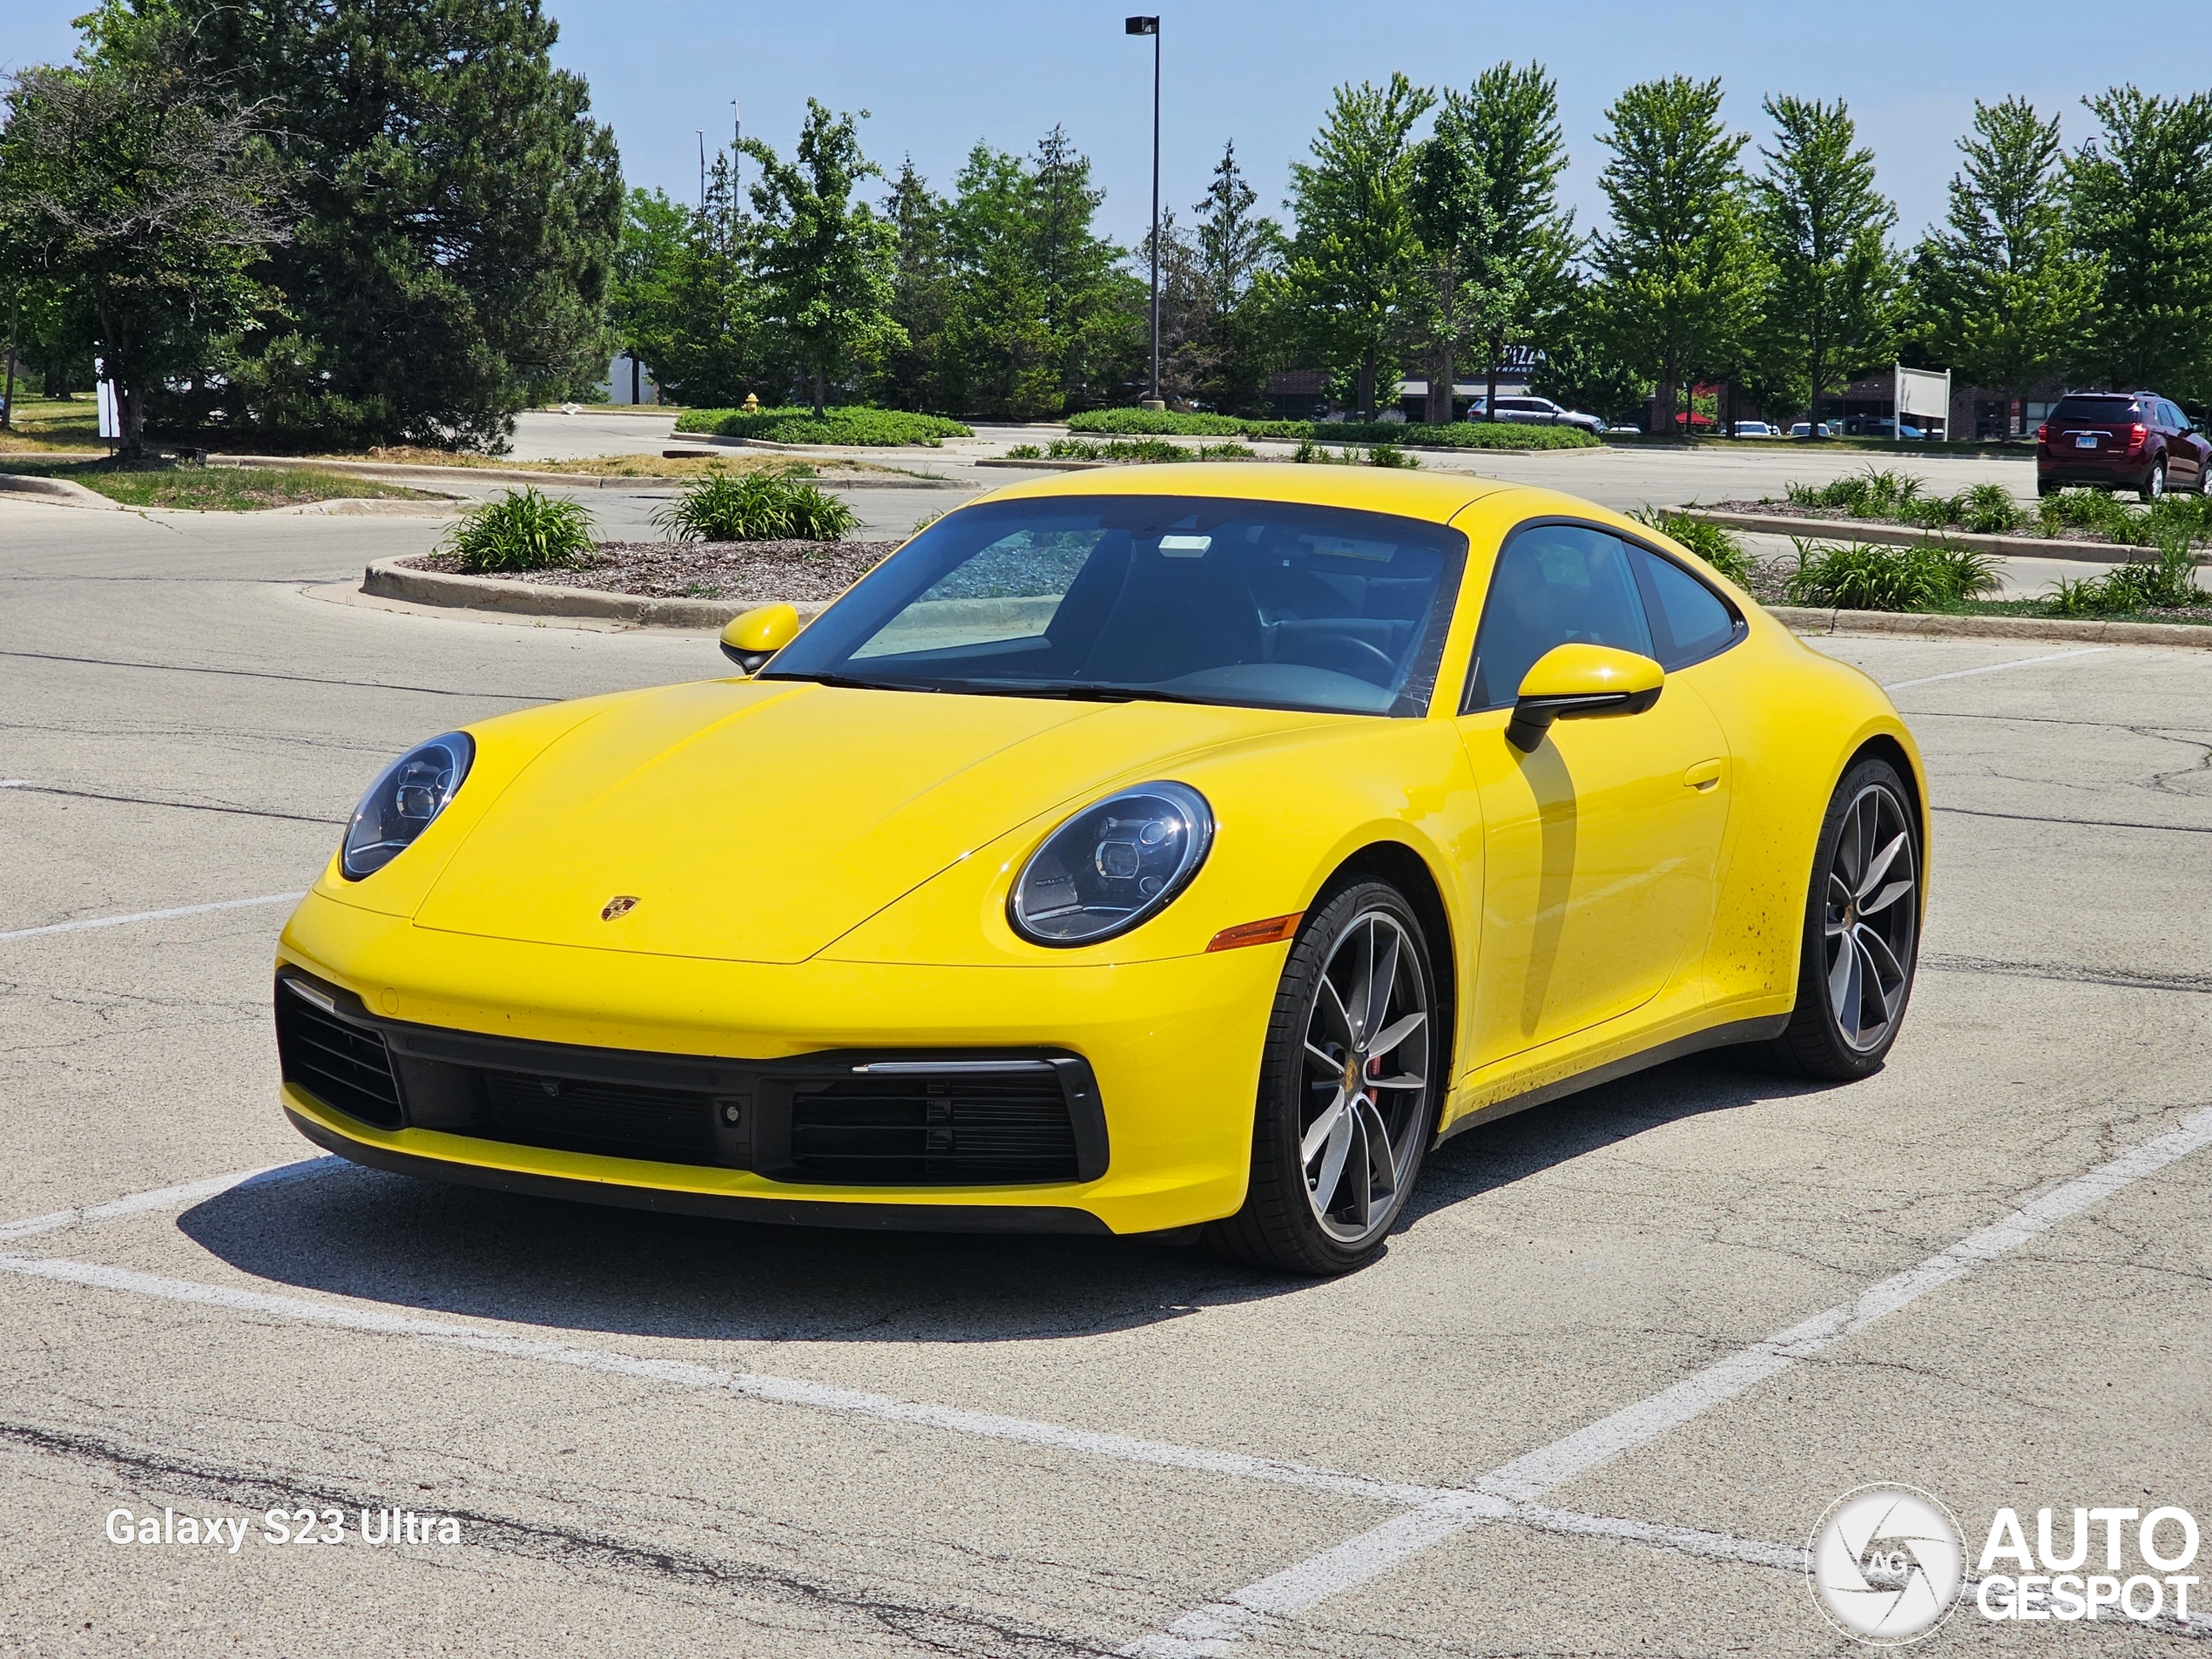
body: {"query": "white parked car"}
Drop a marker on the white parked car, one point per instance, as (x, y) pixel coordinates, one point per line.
(1827, 429)
(1756, 430)
(1534, 411)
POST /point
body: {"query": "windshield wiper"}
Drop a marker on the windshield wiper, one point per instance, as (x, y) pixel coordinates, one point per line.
(1070, 691)
(852, 684)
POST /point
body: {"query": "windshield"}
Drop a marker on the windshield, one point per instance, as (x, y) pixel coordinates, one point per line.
(1261, 605)
(2094, 409)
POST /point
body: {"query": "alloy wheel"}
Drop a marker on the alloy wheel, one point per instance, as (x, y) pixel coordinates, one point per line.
(1366, 1070)
(1873, 909)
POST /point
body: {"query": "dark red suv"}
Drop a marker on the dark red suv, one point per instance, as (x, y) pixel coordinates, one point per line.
(2134, 441)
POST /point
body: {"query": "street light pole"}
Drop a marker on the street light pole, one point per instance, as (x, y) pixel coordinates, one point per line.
(1151, 26)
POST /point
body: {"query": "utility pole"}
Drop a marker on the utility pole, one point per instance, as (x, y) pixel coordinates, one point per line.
(1151, 26)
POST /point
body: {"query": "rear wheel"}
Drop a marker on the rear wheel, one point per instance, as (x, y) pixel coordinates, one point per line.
(1862, 932)
(1349, 1089)
(2154, 481)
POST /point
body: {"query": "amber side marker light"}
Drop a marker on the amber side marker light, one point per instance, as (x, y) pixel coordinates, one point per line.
(1272, 930)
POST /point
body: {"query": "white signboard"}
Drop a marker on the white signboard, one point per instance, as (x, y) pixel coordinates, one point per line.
(1923, 391)
(111, 427)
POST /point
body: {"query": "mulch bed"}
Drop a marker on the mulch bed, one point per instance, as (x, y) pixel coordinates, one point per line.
(756, 572)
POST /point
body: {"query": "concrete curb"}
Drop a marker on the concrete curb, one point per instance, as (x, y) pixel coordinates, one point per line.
(403, 472)
(392, 579)
(1880, 535)
(1805, 619)
(1042, 466)
(66, 492)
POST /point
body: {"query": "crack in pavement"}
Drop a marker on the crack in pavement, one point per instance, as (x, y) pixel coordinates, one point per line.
(2073, 973)
(265, 674)
(944, 1627)
(2083, 823)
(19, 788)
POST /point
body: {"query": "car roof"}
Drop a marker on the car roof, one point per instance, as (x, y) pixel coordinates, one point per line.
(1435, 496)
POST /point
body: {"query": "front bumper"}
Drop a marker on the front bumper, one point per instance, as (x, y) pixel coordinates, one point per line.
(1171, 1050)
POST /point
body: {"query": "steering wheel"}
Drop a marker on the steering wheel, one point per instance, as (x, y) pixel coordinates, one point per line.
(1343, 653)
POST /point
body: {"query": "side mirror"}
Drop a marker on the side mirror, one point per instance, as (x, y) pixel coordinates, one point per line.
(754, 635)
(1578, 683)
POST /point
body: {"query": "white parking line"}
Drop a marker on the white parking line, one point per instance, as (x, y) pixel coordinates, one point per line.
(176, 1197)
(152, 915)
(1295, 1589)
(1997, 668)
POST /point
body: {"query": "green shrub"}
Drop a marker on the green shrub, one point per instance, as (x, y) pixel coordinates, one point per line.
(1460, 434)
(522, 530)
(1871, 493)
(2167, 583)
(1116, 449)
(1853, 577)
(755, 507)
(1710, 542)
(1025, 452)
(1157, 424)
(1987, 510)
(849, 425)
(1389, 455)
(2188, 517)
(2095, 510)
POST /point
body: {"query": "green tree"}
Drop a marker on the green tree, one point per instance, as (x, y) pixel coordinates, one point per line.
(134, 192)
(1453, 217)
(645, 298)
(1678, 271)
(460, 212)
(824, 261)
(1355, 281)
(1509, 120)
(1216, 343)
(1042, 315)
(1822, 228)
(921, 291)
(2003, 292)
(2141, 196)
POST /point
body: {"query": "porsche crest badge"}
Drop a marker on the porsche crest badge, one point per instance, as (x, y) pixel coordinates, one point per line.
(617, 908)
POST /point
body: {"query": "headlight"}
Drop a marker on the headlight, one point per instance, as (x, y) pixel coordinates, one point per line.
(400, 805)
(1112, 865)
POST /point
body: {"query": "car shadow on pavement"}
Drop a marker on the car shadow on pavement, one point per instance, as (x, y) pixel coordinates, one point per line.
(425, 1245)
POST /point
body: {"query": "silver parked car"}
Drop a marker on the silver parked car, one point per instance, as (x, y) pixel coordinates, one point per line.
(1534, 411)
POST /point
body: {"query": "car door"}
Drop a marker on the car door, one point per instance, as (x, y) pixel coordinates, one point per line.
(1600, 845)
(2184, 460)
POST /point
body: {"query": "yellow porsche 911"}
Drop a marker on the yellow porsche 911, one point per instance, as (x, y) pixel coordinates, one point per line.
(1130, 851)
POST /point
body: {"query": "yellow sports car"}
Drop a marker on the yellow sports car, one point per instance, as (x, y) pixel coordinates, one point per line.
(1130, 851)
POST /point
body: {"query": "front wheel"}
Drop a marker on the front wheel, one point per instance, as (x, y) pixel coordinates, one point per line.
(1862, 932)
(1349, 1087)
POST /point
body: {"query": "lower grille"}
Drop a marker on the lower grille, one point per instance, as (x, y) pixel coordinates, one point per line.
(934, 1132)
(613, 1120)
(343, 1065)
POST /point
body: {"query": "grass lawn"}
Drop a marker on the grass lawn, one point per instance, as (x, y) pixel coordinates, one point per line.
(221, 489)
(43, 425)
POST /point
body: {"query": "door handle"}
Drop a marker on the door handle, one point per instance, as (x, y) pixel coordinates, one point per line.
(1705, 775)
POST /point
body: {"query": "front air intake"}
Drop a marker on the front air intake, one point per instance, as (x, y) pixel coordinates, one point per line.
(344, 1065)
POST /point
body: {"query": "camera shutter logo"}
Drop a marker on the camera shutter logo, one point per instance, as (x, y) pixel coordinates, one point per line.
(1887, 1564)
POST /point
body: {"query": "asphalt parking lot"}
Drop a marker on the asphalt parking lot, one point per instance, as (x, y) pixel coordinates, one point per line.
(1622, 1353)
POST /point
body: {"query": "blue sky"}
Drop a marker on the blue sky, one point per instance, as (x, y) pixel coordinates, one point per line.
(940, 77)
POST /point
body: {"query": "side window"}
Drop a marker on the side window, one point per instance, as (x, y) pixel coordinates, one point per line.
(1691, 621)
(1554, 585)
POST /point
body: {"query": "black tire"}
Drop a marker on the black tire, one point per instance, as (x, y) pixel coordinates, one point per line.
(1281, 1225)
(2153, 483)
(1816, 1043)
(2043, 487)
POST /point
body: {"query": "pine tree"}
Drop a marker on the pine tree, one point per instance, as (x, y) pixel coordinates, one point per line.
(460, 212)
(1678, 273)
(1354, 280)
(921, 291)
(2003, 292)
(2141, 196)
(1822, 227)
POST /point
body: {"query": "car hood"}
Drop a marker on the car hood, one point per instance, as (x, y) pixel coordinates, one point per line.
(760, 821)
